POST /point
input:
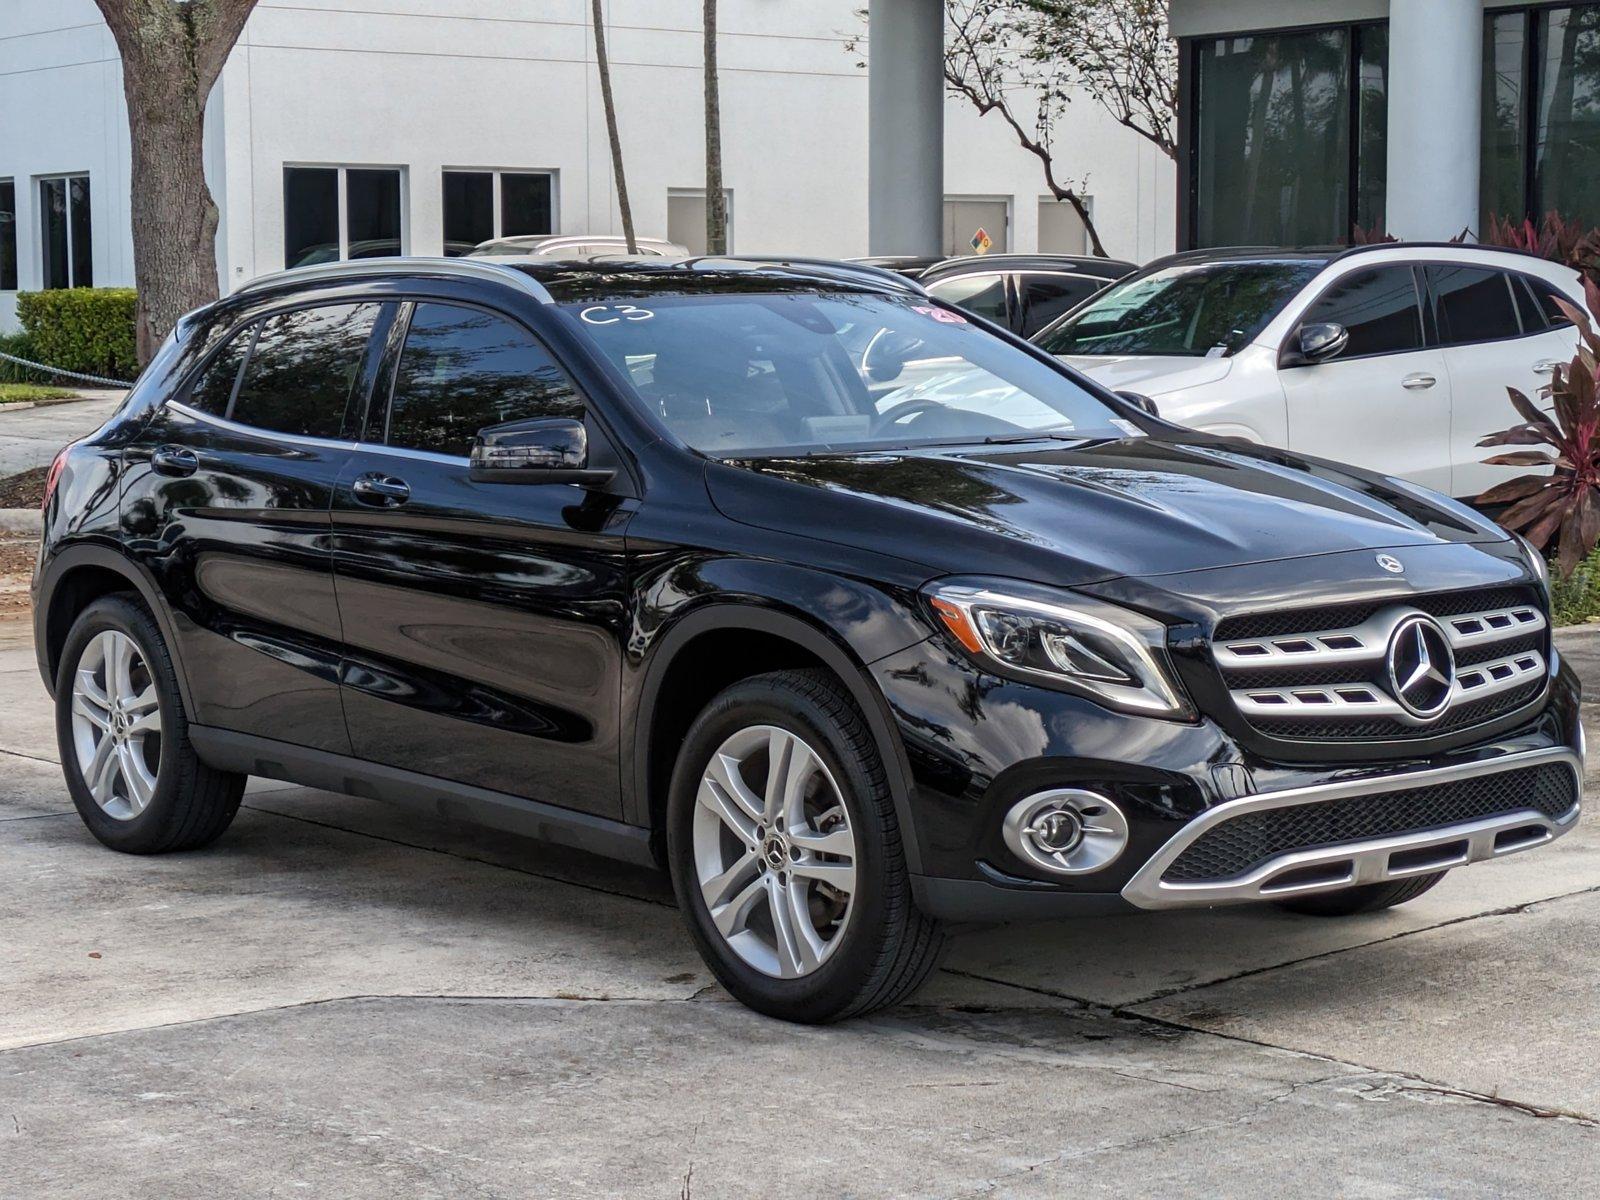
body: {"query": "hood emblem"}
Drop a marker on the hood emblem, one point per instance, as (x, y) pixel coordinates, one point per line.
(1422, 667)
(1391, 564)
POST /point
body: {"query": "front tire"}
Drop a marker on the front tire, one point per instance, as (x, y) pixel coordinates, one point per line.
(1371, 897)
(124, 737)
(786, 854)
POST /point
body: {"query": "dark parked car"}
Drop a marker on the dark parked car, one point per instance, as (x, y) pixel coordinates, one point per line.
(857, 616)
(1023, 292)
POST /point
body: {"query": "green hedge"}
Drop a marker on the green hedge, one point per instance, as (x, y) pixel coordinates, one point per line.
(20, 345)
(82, 329)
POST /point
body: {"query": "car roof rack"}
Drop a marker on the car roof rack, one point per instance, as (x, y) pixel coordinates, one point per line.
(1369, 247)
(1043, 261)
(482, 269)
(813, 268)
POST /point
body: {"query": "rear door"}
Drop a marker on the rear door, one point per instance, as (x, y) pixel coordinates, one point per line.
(1496, 335)
(1384, 402)
(1042, 296)
(226, 500)
(484, 623)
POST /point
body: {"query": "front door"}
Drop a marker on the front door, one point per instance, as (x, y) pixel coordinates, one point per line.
(1384, 401)
(484, 623)
(227, 502)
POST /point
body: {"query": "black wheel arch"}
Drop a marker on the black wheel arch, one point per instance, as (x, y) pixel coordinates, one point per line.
(641, 807)
(72, 579)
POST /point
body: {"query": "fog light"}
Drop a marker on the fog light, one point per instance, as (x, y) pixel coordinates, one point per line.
(1068, 831)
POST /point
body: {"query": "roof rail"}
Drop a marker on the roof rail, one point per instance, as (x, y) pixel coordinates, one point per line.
(438, 268)
(1403, 244)
(813, 268)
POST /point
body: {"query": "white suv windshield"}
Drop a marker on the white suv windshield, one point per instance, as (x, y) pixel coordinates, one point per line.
(805, 372)
(1188, 309)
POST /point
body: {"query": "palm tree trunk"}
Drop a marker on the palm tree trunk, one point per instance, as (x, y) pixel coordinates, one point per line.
(604, 65)
(716, 199)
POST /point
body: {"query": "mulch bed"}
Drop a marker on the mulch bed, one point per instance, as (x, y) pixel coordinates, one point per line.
(23, 490)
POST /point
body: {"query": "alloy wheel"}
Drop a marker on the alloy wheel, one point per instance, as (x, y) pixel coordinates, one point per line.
(774, 851)
(116, 725)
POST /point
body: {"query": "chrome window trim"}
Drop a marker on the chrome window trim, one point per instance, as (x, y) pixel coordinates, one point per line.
(1370, 858)
(256, 431)
(437, 268)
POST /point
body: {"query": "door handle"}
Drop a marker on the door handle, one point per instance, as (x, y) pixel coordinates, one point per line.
(175, 461)
(1546, 366)
(381, 491)
(1420, 382)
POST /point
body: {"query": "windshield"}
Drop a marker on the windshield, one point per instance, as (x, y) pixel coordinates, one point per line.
(808, 372)
(1199, 310)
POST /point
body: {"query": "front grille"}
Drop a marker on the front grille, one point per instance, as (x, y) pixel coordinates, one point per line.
(1238, 846)
(1321, 674)
(1342, 616)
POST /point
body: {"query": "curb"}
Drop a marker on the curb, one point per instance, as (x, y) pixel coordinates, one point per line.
(21, 520)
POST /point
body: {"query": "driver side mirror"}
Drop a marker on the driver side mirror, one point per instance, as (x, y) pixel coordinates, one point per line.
(1314, 344)
(543, 450)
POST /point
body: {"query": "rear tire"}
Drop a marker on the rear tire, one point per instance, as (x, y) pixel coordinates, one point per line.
(124, 737)
(815, 927)
(1370, 897)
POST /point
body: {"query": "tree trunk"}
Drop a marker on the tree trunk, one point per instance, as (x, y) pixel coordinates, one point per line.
(603, 62)
(172, 53)
(174, 215)
(716, 199)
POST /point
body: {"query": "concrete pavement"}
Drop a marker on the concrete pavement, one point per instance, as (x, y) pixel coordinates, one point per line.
(30, 437)
(342, 999)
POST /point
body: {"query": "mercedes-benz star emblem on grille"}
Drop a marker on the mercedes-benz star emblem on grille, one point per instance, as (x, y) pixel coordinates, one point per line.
(1422, 667)
(1391, 564)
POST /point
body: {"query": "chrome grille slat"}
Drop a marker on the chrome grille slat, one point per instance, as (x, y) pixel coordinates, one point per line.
(1361, 700)
(1297, 680)
(1370, 639)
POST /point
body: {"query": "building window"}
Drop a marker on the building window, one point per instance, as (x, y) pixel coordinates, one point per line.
(8, 235)
(1541, 114)
(64, 226)
(686, 218)
(1286, 136)
(480, 206)
(333, 213)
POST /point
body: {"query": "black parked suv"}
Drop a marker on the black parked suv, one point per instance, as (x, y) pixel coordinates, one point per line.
(859, 615)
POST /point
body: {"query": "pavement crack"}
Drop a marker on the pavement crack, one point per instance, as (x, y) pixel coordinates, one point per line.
(1509, 910)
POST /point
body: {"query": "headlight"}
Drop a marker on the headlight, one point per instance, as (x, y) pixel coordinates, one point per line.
(1537, 564)
(1060, 640)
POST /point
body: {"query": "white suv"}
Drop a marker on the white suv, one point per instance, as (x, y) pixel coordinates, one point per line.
(1393, 357)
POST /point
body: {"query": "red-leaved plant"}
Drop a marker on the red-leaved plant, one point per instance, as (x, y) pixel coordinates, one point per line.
(1565, 504)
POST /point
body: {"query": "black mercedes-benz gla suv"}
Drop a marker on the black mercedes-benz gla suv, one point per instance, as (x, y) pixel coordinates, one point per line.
(859, 615)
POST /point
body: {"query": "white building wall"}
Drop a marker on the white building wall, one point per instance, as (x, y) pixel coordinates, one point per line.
(430, 84)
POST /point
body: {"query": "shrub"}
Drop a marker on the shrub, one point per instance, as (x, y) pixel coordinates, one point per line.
(20, 345)
(1565, 504)
(1575, 598)
(82, 329)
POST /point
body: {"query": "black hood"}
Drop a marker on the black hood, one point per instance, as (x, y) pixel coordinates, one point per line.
(1089, 511)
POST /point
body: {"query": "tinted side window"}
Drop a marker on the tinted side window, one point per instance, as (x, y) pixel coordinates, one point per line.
(303, 368)
(463, 370)
(981, 294)
(1046, 297)
(1547, 294)
(1528, 308)
(1378, 307)
(212, 392)
(1475, 305)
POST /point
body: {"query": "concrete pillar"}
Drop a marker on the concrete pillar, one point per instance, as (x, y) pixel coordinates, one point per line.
(1435, 117)
(905, 126)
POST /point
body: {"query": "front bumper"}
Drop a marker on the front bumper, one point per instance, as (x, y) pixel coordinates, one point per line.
(977, 745)
(1343, 864)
